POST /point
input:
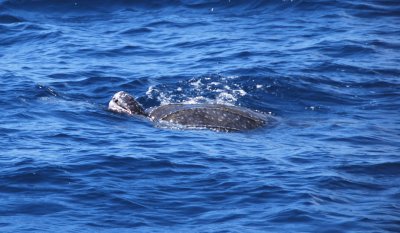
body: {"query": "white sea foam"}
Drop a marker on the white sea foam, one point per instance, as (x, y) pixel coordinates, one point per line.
(196, 84)
(164, 98)
(197, 100)
(226, 98)
(151, 91)
(221, 90)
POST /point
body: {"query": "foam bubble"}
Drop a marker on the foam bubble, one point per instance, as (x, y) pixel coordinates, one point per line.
(150, 91)
(226, 98)
(196, 84)
(208, 89)
(165, 99)
(197, 100)
(240, 92)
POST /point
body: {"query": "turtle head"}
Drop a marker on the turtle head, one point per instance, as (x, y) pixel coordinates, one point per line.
(123, 102)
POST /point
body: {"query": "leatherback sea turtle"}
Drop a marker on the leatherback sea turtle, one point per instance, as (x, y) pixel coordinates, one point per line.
(193, 116)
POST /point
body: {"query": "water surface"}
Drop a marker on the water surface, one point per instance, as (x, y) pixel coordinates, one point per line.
(327, 70)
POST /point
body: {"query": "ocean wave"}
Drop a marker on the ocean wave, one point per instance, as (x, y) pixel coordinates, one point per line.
(7, 18)
(375, 170)
(362, 9)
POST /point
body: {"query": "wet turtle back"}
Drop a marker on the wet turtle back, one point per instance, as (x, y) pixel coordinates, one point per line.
(211, 116)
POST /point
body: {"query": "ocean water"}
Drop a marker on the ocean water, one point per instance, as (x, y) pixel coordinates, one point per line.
(328, 71)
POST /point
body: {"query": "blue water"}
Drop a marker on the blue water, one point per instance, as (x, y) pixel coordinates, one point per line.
(328, 71)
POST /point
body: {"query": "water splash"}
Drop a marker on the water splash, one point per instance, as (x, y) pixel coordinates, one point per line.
(213, 89)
